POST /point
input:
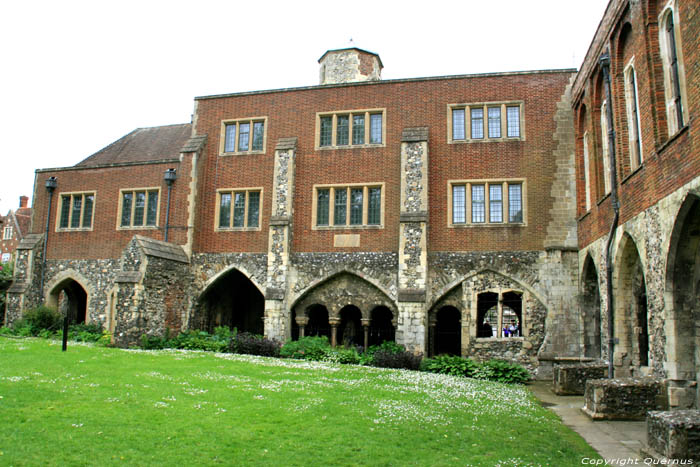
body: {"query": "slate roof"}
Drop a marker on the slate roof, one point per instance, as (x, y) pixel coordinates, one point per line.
(143, 145)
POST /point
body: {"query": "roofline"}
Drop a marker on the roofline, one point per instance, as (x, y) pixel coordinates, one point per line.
(388, 81)
(106, 166)
(352, 48)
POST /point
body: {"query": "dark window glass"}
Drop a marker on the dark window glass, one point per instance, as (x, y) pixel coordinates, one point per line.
(495, 203)
(225, 210)
(239, 209)
(77, 208)
(478, 207)
(374, 215)
(358, 129)
(139, 207)
(322, 207)
(258, 132)
(342, 130)
(127, 201)
(515, 203)
(340, 214)
(152, 215)
(494, 122)
(356, 206)
(243, 136)
(326, 131)
(375, 129)
(253, 208)
(65, 211)
(87, 211)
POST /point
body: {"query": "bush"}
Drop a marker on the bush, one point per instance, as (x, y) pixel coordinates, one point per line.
(253, 344)
(85, 332)
(307, 348)
(502, 371)
(35, 320)
(342, 355)
(389, 359)
(450, 365)
(367, 358)
(198, 340)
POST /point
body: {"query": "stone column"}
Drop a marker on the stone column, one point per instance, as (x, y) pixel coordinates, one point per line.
(431, 335)
(302, 321)
(413, 230)
(276, 314)
(334, 322)
(365, 328)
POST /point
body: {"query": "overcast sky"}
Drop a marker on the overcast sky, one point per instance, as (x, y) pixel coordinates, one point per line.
(77, 75)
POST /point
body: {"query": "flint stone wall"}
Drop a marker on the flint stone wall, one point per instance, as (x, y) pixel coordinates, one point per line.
(674, 434)
(571, 380)
(623, 398)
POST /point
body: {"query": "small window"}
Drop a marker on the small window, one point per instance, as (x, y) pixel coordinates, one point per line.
(459, 204)
(485, 203)
(7, 233)
(239, 209)
(513, 121)
(515, 202)
(494, 122)
(607, 185)
(586, 171)
(343, 130)
(340, 217)
(672, 66)
(76, 211)
(495, 203)
(358, 129)
(326, 131)
(356, 206)
(237, 136)
(375, 206)
(477, 116)
(139, 208)
(478, 204)
(350, 128)
(458, 124)
(322, 208)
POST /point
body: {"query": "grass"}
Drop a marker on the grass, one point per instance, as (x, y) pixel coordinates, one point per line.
(102, 406)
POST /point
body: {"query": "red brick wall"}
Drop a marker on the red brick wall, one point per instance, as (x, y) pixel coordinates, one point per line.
(408, 104)
(105, 240)
(668, 164)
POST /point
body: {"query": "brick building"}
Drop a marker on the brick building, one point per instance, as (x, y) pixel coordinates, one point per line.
(637, 148)
(451, 214)
(13, 227)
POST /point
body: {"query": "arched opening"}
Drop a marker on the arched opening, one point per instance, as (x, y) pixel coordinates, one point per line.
(631, 310)
(318, 322)
(70, 299)
(683, 296)
(592, 345)
(487, 315)
(350, 333)
(512, 314)
(448, 331)
(381, 327)
(233, 301)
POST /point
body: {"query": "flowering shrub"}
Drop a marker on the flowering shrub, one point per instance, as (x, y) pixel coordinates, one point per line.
(389, 359)
(253, 344)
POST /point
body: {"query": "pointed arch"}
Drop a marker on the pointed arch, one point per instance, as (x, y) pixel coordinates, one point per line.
(213, 279)
(70, 292)
(590, 304)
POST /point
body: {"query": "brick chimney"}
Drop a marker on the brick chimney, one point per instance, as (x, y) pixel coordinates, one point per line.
(23, 201)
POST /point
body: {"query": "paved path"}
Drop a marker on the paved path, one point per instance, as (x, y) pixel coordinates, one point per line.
(612, 440)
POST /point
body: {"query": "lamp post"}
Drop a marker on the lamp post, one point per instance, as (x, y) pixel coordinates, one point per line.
(51, 184)
(169, 177)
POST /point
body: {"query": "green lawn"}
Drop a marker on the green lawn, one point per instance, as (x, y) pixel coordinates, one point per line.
(101, 406)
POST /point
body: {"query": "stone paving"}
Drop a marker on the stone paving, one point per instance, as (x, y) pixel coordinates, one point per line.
(612, 439)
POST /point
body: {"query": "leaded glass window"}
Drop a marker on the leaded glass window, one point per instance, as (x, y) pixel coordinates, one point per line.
(513, 121)
(478, 204)
(515, 203)
(374, 214)
(356, 206)
(340, 205)
(458, 129)
(230, 144)
(225, 210)
(258, 135)
(342, 130)
(326, 131)
(459, 204)
(239, 209)
(243, 136)
(358, 129)
(477, 116)
(494, 122)
(375, 130)
(322, 208)
(495, 203)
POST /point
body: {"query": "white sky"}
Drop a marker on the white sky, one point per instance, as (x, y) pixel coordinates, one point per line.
(78, 75)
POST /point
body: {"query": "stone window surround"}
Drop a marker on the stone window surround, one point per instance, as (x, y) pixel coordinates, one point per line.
(237, 122)
(59, 205)
(522, 326)
(137, 227)
(671, 9)
(634, 129)
(232, 191)
(504, 200)
(331, 206)
(485, 105)
(334, 131)
(7, 233)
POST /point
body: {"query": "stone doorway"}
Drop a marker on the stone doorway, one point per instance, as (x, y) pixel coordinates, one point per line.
(350, 332)
(631, 322)
(592, 345)
(682, 296)
(70, 299)
(446, 332)
(381, 327)
(232, 301)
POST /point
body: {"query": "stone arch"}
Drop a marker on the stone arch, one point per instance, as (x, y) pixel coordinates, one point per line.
(631, 313)
(336, 293)
(213, 279)
(682, 295)
(70, 293)
(590, 307)
(232, 299)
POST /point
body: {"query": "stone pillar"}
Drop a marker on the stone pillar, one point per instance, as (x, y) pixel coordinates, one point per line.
(302, 321)
(24, 292)
(276, 314)
(365, 328)
(413, 232)
(431, 336)
(334, 322)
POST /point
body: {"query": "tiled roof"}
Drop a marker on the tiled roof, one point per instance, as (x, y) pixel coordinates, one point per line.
(143, 145)
(23, 216)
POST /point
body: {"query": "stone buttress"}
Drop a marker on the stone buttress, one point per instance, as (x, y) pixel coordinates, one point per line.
(413, 233)
(279, 241)
(24, 292)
